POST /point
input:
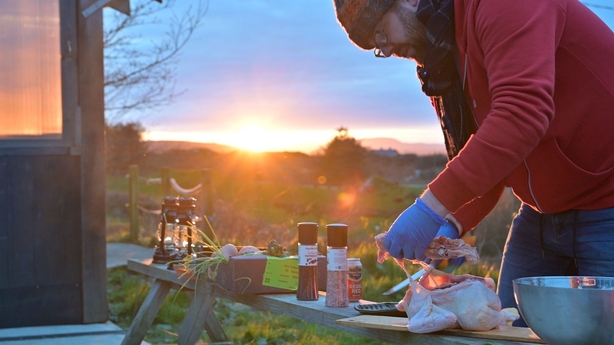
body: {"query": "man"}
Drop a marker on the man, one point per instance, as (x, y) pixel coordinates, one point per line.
(524, 90)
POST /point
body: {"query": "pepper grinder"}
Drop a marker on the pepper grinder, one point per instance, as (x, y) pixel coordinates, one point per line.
(307, 289)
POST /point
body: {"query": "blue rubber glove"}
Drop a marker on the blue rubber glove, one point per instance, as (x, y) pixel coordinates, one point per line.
(448, 230)
(413, 231)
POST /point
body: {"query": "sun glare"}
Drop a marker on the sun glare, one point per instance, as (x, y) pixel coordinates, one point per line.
(254, 138)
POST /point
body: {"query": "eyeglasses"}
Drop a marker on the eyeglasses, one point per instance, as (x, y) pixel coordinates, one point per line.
(381, 40)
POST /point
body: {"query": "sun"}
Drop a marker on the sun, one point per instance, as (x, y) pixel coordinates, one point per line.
(254, 138)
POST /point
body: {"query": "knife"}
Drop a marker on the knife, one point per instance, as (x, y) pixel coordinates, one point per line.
(452, 264)
(405, 282)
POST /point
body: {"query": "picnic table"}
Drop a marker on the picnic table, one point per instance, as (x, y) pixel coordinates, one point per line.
(200, 316)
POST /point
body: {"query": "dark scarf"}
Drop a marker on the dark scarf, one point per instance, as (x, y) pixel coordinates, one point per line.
(440, 76)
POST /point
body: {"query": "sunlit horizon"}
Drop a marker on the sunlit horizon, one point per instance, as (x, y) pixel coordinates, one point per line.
(258, 139)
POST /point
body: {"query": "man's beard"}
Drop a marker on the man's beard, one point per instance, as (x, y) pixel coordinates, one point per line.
(415, 32)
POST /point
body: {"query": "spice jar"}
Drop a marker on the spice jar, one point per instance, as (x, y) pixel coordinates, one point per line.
(307, 289)
(336, 268)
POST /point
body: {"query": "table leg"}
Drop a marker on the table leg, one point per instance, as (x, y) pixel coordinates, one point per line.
(198, 314)
(214, 328)
(147, 313)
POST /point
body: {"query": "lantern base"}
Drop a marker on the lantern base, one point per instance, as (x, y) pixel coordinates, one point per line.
(163, 257)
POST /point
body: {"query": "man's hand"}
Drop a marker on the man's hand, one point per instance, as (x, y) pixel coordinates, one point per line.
(413, 231)
(448, 230)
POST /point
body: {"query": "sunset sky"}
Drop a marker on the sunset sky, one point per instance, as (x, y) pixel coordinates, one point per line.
(275, 75)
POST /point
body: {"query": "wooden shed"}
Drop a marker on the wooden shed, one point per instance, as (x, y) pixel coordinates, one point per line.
(52, 183)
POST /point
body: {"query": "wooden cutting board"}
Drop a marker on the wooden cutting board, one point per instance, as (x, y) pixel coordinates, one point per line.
(519, 334)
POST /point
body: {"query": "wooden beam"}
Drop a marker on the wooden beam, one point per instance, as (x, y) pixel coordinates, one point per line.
(89, 10)
(93, 222)
(122, 6)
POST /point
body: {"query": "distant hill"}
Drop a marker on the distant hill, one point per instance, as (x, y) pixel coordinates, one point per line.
(403, 148)
(372, 144)
(163, 146)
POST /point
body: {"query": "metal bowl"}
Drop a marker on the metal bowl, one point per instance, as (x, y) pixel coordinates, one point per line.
(568, 310)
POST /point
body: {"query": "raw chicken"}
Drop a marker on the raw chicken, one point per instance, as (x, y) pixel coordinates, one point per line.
(446, 248)
(441, 248)
(442, 301)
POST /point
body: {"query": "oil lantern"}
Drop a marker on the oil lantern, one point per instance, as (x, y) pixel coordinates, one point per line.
(166, 250)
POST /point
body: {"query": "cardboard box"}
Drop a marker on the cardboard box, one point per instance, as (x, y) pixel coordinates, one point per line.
(246, 274)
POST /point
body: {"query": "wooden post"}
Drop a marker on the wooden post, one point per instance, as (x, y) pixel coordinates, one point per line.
(133, 191)
(165, 176)
(87, 37)
(205, 192)
(206, 200)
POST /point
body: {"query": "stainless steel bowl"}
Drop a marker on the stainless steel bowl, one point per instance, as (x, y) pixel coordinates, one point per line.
(568, 310)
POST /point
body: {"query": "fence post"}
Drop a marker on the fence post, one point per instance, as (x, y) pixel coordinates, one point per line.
(133, 191)
(205, 192)
(206, 198)
(165, 176)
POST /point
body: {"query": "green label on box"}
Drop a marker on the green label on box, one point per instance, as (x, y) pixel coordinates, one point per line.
(281, 273)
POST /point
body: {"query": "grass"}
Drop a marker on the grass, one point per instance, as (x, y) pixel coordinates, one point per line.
(242, 324)
(279, 202)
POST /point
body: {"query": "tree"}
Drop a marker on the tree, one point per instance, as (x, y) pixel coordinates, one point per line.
(123, 146)
(141, 75)
(343, 159)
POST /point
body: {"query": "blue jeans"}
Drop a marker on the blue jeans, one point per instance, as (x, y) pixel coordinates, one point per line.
(561, 244)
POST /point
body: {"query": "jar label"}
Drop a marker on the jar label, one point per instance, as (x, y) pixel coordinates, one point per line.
(337, 259)
(307, 255)
(355, 272)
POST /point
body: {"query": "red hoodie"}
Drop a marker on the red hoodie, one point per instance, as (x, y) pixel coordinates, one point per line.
(546, 132)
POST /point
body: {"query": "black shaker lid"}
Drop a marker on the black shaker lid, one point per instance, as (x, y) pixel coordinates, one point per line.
(307, 233)
(337, 235)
